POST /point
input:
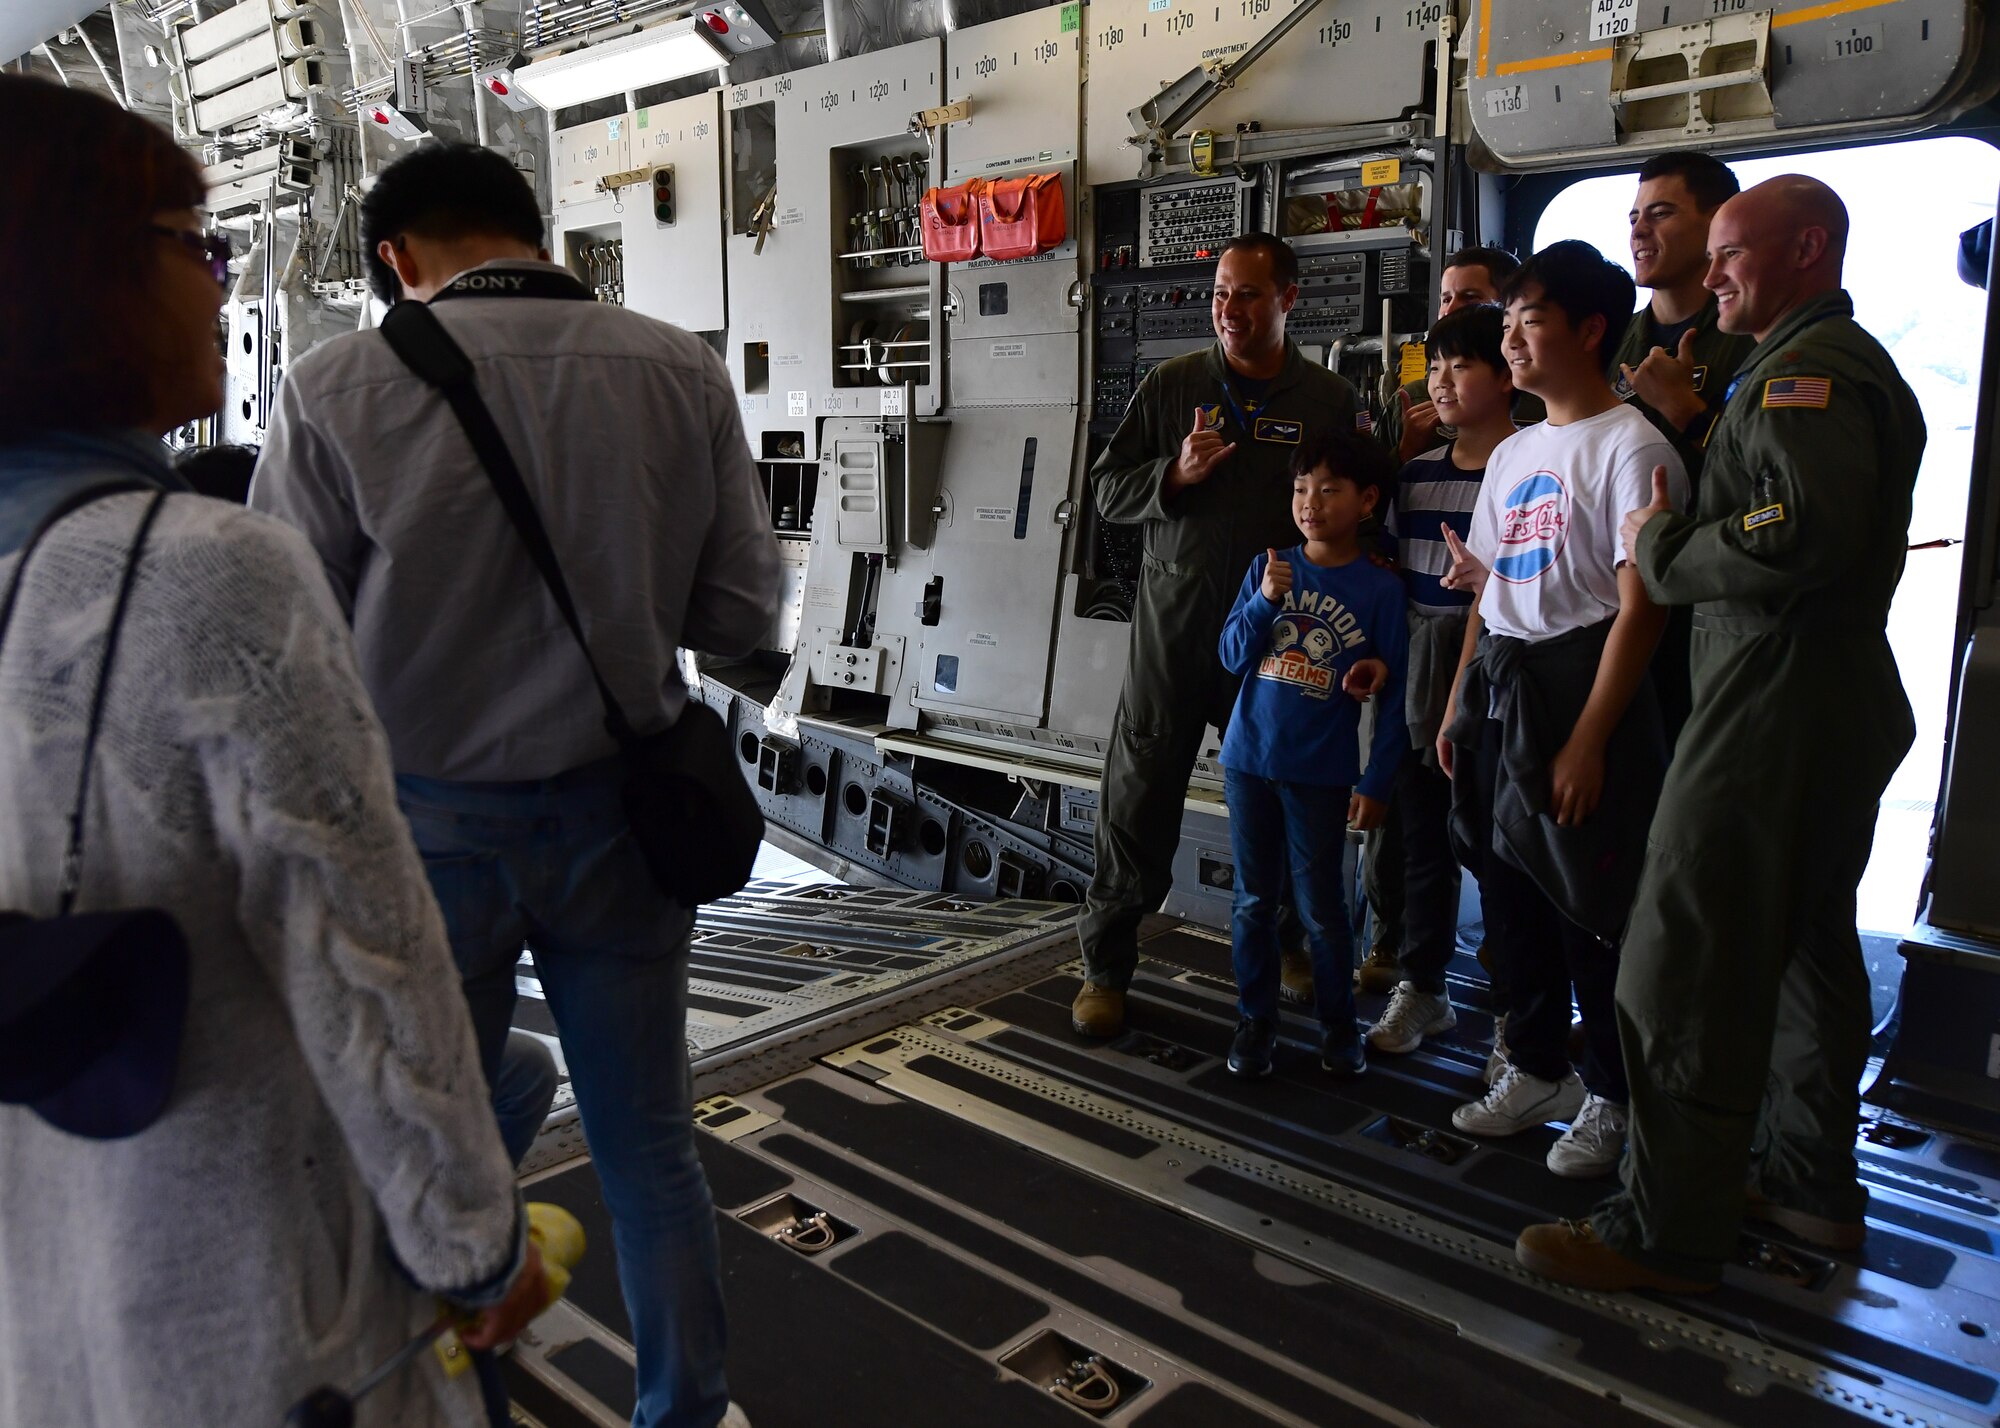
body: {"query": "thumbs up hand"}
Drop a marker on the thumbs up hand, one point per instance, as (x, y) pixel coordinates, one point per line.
(1635, 521)
(1277, 581)
(1466, 572)
(1202, 450)
(1665, 382)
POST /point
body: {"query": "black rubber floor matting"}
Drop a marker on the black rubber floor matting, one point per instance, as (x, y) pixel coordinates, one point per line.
(1264, 1115)
(1196, 1405)
(806, 1348)
(1380, 1349)
(532, 1014)
(601, 1373)
(946, 1293)
(593, 1285)
(539, 1399)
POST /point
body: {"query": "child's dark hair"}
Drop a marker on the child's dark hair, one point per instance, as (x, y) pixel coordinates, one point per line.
(1472, 332)
(1581, 281)
(219, 471)
(1358, 458)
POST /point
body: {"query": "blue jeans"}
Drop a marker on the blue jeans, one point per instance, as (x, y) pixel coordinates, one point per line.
(550, 865)
(524, 1087)
(1300, 827)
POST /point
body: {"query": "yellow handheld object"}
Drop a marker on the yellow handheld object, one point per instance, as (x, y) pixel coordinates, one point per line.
(559, 1236)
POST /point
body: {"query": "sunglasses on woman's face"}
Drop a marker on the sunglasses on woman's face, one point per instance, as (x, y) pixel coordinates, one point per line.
(211, 248)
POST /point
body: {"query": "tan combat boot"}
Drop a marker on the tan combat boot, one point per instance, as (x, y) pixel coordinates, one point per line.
(1381, 972)
(1295, 977)
(1098, 1011)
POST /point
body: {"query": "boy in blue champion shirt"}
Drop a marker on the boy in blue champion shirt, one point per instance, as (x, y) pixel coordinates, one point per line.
(1315, 630)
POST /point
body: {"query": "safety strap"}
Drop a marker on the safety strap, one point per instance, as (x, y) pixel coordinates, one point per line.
(417, 337)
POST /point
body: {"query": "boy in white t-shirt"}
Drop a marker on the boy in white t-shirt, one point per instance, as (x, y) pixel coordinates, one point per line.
(1556, 751)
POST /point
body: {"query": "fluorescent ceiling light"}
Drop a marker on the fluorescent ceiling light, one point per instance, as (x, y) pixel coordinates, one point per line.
(670, 51)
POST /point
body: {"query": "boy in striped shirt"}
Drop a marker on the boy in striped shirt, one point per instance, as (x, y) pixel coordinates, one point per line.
(1473, 390)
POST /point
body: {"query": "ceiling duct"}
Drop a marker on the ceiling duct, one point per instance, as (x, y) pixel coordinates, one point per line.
(27, 23)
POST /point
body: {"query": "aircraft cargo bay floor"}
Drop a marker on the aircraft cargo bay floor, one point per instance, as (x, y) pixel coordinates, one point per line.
(932, 1206)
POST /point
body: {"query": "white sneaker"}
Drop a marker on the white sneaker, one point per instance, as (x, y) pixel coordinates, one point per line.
(1593, 1143)
(1410, 1017)
(734, 1417)
(1520, 1102)
(1496, 1059)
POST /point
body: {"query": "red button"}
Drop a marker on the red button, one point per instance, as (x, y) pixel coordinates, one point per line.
(715, 22)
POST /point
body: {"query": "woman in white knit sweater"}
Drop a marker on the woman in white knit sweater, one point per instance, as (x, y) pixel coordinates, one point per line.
(328, 1163)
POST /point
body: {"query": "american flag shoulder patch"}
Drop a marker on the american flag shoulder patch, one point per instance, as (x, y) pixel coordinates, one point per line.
(1798, 392)
(1364, 421)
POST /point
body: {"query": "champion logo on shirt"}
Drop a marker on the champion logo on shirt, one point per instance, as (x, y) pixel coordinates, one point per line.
(1533, 526)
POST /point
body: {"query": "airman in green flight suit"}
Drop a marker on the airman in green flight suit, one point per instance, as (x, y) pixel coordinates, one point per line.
(1202, 461)
(1742, 984)
(1675, 361)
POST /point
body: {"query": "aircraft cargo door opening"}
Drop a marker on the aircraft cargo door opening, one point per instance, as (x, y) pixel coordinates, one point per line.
(1908, 203)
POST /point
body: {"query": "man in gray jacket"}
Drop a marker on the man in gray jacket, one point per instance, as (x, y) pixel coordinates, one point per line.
(628, 438)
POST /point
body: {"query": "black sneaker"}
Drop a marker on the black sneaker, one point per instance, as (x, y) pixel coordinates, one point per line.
(1343, 1053)
(1255, 1044)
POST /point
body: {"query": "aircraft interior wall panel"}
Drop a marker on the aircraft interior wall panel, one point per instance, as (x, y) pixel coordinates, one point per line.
(1024, 77)
(1349, 64)
(673, 271)
(998, 553)
(585, 153)
(1036, 368)
(750, 314)
(1089, 669)
(1544, 75)
(789, 294)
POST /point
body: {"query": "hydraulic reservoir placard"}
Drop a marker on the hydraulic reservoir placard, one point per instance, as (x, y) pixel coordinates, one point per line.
(1550, 79)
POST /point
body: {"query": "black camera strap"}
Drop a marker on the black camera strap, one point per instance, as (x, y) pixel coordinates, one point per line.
(72, 864)
(417, 337)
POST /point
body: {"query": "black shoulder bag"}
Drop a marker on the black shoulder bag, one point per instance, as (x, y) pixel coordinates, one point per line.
(692, 811)
(92, 1004)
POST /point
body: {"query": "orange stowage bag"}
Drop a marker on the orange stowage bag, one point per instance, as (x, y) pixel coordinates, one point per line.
(951, 222)
(1020, 217)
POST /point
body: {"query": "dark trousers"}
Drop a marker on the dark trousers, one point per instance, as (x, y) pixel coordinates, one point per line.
(1541, 957)
(1301, 829)
(1430, 873)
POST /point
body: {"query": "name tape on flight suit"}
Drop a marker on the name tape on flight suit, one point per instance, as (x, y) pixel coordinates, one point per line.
(1272, 429)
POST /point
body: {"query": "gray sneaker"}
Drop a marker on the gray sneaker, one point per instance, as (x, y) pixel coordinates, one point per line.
(1520, 1102)
(1410, 1017)
(1593, 1143)
(1496, 1059)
